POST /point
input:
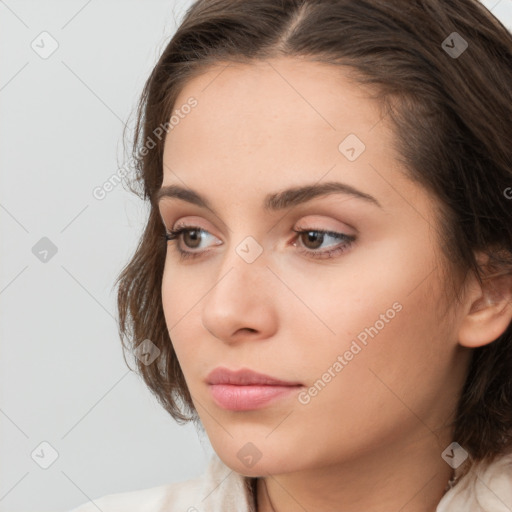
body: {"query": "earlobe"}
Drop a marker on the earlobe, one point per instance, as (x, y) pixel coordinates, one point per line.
(489, 310)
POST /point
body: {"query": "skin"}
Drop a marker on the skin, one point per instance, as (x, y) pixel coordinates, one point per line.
(382, 422)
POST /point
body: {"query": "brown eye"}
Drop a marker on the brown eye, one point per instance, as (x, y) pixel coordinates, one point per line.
(192, 238)
(312, 239)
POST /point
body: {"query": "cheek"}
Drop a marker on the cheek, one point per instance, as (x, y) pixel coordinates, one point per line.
(378, 340)
(183, 287)
(389, 357)
(181, 295)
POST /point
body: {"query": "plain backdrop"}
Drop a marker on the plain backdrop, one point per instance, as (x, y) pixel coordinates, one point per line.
(75, 423)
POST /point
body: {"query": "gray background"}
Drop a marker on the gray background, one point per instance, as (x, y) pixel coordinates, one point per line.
(63, 377)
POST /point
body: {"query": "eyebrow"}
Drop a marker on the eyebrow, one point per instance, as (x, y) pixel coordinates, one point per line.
(281, 200)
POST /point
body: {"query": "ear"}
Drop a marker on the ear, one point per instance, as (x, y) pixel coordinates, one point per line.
(488, 305)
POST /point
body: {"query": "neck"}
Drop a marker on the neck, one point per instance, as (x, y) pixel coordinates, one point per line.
(409, 478)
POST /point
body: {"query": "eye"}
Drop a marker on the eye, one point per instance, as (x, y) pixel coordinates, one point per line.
(314, 238)
(192, 237)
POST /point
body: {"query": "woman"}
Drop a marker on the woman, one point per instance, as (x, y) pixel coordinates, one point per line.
(325, 280)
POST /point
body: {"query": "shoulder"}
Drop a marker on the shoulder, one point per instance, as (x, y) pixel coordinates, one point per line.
(218, 488)
(150, 499)
(485, 488)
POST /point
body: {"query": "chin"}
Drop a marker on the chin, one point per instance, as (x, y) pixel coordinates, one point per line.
(260, 469)
(259, 457)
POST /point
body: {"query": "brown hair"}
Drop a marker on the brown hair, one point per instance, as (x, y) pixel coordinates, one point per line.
(452, 118)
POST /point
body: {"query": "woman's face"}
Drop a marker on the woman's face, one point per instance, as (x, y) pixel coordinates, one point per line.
(351, 321)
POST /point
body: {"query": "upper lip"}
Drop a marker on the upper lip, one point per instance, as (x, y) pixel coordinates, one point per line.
(244, 377)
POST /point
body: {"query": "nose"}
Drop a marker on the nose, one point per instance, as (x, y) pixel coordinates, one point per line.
(241, 304)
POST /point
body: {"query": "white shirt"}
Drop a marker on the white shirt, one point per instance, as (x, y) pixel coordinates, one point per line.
(484, 488)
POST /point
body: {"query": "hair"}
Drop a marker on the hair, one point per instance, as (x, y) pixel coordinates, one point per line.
(452, 125)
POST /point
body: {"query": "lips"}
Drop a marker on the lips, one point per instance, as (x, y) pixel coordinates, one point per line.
(244, 377)
(245, 390)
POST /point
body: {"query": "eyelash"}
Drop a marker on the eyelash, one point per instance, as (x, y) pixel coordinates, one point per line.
(347, 241)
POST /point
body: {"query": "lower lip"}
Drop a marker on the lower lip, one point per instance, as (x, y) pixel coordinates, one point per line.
(246, 398)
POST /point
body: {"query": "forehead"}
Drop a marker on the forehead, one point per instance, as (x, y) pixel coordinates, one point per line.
(258, 106)
(282, 120)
